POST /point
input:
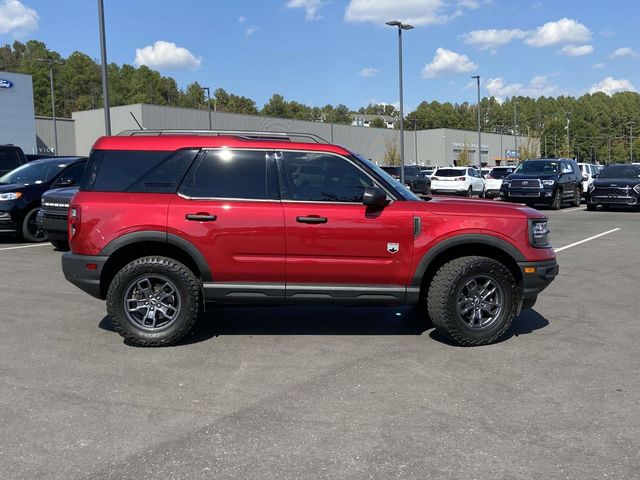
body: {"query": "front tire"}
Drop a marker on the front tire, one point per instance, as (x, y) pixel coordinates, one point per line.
(556, 204)
(153, 301)
(473, 300)
(30, 230)
(591, 206)
(577, 197)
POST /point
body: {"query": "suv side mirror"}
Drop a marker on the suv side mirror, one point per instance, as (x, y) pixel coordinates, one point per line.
(374, 197)
(65, 182)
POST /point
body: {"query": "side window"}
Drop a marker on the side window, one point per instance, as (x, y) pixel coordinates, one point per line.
(9, 160)
(321, 177)
(240, 174)
(72, 175)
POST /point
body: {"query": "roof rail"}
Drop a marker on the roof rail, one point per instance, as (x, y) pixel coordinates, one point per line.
(286, 136)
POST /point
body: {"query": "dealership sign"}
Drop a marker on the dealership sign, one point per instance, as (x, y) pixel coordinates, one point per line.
(5, 83)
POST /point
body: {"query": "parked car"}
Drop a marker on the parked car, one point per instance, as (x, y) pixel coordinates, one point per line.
(457, 181)
(618, 184)
(163, 223)
(52, 216)
(11, 157)
(21, 192)
(422, 183)
(493, 180)
(410, 173)
(589, 173)
(544, 181)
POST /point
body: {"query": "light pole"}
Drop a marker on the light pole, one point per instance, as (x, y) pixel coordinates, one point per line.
(105, 83)
(568, 114)
(208, 104)
(477, 77)
(415, 138)
(631, 141)
(515, 128)
(401, 26)
(501, 147)
(51, 62)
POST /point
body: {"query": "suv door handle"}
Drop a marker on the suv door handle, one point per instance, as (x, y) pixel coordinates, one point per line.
(200, 217)
(312, 219)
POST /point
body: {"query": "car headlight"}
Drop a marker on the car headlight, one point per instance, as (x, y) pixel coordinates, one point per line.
(506, 183)
(539, 233)
(5, 197)
(548, 183)
(637, 189)
(592, 187)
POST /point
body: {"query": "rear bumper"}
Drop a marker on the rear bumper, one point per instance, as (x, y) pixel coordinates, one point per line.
(539, 278)
(75, 269)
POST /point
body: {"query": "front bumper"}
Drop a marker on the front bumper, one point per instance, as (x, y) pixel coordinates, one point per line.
(529, 195)
(54, 223)
(536, 276)
(76, 269)
(605, 199)
(7, 223)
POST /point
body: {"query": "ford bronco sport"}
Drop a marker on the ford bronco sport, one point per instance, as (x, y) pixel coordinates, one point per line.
(166, 221)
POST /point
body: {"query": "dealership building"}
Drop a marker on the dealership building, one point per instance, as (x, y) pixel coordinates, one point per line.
(77, 135)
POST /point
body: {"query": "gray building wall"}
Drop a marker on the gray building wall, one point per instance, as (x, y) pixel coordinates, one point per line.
(46, 140)
(17, 123)
(434, 147)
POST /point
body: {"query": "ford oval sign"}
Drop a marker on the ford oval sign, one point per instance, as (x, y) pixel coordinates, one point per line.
(5, 83)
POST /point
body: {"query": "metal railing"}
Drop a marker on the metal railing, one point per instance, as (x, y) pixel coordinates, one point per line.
(252, 135)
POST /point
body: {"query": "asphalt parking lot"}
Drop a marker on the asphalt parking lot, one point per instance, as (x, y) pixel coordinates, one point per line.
(331, 392)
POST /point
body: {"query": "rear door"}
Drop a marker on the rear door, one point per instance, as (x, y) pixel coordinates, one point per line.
(336, 246)
(229, 208)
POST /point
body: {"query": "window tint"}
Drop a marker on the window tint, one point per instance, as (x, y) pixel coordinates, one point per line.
(9, 159)
(319, 177)
(233, 174)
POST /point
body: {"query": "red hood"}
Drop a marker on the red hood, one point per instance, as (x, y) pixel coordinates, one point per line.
(484, 208)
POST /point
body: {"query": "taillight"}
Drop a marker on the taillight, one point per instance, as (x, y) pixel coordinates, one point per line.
(435, 178)
(489, 177)
(74, 220)
(461, 178)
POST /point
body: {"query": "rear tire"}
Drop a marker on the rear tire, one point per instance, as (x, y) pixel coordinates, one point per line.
(591, 206)
(30, 231)
(469, 192)
(153, 301)
(577, 197)
(556, 204)
(471, 315)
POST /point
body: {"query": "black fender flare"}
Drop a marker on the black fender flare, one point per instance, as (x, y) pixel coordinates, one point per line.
(161, 237)
(458, 240)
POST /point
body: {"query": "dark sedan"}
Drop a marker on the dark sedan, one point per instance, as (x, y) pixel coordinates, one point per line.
(618, 185)
(21, 192)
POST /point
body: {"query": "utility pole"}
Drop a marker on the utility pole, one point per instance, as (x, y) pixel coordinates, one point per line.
(105, 82)
(631, 141)
(515, 127)
(208, 104)
(568, 131)
(477, 77)
(51, 62)
(501, 147)
(609, 150)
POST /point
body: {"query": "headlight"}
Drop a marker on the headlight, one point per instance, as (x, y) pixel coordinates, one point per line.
(5, 197)
(539, 233)
(637, 189)
(592, 187)
(548, 183)
(506, 183)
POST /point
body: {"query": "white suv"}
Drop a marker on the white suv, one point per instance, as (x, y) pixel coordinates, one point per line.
(589, 173)
(457, 181)
(493, 180)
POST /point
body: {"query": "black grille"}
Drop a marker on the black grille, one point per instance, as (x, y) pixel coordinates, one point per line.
(526, 183)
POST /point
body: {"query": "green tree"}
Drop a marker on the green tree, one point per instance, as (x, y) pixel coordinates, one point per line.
(391, 150)
(378, 122)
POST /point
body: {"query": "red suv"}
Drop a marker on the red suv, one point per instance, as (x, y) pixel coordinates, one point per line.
(165, 222)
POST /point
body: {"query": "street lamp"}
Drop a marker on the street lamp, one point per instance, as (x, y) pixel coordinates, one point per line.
(415, 138)
(51, 62)
(401, 26)
(568, 114)
(515, 128)
(631, 124)
(208, 104)
(105, 83)
(477, 77)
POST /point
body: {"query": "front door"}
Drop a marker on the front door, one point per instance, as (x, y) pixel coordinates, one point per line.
(336, 246)
(229, 208)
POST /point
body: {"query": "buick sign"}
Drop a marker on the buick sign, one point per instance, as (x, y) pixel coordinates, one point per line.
(5, 83)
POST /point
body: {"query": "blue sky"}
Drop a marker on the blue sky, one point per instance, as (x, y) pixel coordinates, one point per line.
(339, 51)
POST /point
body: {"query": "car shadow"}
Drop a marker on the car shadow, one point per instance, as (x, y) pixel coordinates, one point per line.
(224, 320)
(527, 322)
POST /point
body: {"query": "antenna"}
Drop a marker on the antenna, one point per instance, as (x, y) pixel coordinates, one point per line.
(136, 120)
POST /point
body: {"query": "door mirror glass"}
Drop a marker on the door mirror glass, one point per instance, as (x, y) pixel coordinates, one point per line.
(65, 182)
(374, 197)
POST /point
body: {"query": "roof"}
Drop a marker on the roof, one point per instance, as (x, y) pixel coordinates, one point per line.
(175, 142)
(367, 117)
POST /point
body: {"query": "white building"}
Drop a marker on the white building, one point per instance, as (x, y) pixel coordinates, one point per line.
(362, 120)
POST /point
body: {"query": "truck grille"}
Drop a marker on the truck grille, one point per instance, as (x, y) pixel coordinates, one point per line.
(526, 183)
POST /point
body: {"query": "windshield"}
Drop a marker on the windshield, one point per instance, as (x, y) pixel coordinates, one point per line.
(538, 167)
(500, 173)
(406, 193)
(621, 171)
(33, 173)
(450, 172)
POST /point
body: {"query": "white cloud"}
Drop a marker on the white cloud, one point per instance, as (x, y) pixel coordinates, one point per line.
(575, 50)
(448, 62)
(415, 12)
(565, 30)
(611, 85)
(599, 65)
(241, 19)
(538, 86)
(166, 55)
(492, 38)
(624, 52)
(17, 19)
(311, 7)
(251, 30)
(368, 72)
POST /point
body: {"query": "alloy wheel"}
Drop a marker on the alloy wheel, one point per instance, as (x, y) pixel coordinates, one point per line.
(480, 301)
(152, 302)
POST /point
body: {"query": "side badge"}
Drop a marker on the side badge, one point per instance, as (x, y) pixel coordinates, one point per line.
(393, 247)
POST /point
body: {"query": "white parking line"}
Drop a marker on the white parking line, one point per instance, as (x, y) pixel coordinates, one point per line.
(572, 209)
(586, 240)
(26, 246)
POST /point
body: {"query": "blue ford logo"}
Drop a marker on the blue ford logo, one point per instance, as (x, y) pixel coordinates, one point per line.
(5, 83)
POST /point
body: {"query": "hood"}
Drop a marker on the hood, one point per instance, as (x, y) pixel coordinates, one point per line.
(616, 182)
(479, 208)
(65, 194)
(13, 187)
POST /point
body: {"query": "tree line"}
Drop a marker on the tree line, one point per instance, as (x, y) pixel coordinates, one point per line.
(599, 125)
